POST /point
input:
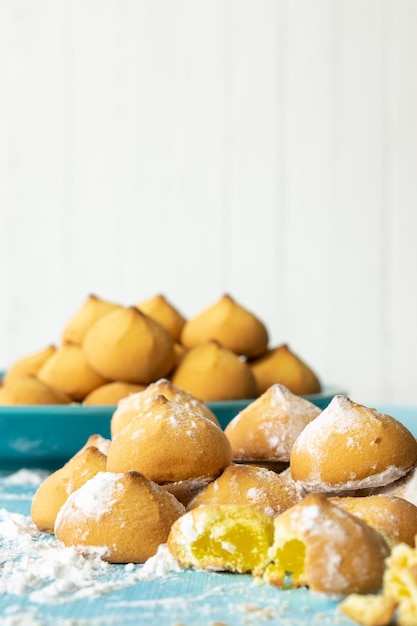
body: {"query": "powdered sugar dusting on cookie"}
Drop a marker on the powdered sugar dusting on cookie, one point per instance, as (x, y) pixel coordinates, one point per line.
(268, 427)
(94, 499)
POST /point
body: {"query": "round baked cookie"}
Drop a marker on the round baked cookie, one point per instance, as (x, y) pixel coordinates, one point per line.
(230, 538)
(170, 443)
(161, 310)
(29, 389)
(281, 365)
(394, 518)
(319, 545)
(266, 429)
(111, 393)
(69, 371)
(56, 488)
(29, 365)
(229, 323)
(214, 373)
(349, 446)
(130, 407)
(128, 345)
(92, 309)
(249, 486)
(123, 515)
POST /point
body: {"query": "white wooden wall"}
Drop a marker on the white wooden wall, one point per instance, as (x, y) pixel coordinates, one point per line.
(263, 148)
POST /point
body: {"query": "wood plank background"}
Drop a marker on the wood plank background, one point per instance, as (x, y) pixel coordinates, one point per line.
(266, 149)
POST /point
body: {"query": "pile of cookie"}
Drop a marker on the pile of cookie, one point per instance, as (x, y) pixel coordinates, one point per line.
(107, 351)
(288, 493)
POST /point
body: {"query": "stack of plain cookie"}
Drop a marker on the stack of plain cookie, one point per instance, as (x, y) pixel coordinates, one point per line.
(108, 351)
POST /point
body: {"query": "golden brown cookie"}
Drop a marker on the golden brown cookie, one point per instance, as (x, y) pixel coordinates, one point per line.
(281, 365)
(248, 485)
(29, 389)
(123, 515)
(266, 429)
(350, 446)
(30, 364)
(111, 393)
(394, 518)
(92, 309)
(69, 371)
(128, 345)
(135, 404)
(214, 373)
(56, 488)
(170, 443)
(161, 310)
(231, 325)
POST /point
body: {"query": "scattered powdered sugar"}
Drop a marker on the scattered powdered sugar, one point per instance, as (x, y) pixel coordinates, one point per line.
(256, 496)
(35, 564)
(160, 565)
(16, 526)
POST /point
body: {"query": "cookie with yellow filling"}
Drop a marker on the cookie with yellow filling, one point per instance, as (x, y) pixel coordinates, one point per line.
(135, 404)
(267, 428)
(230, 324)
(128, 345)
(214, 373)
(232, 538)
(161, 310)
(281, 365)
(319, 545)
(58, 486)
(123, 515)
(249, 485)
(69, 371)
(28, 389)
(350, 446)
